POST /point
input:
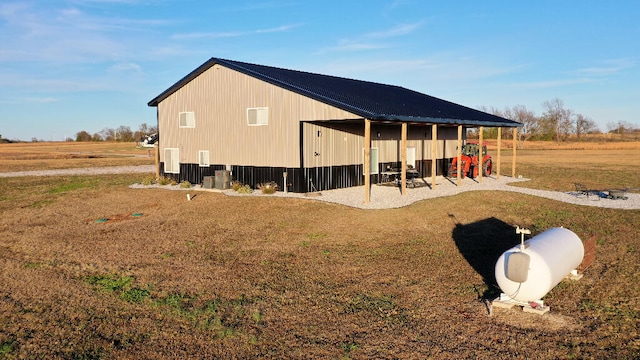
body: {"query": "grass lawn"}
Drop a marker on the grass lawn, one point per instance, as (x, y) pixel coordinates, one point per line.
(262, 277)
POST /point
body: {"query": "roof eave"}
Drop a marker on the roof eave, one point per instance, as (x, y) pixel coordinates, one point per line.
(448, 121)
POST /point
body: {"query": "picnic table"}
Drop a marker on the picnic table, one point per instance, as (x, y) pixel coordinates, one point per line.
(394, 175)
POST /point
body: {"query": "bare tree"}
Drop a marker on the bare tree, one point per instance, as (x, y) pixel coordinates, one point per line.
(108, 134)
(490, 133)
(556, 122)
(527, 118)
(143, 131)
(620, 127)
(584, 125)
(566, 126)
(124, 134)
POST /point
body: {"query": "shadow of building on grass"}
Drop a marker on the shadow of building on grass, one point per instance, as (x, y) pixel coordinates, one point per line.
(481, 243)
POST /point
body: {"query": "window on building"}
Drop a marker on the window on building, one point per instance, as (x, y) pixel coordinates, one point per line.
(187, 119)
(374, 160)
(172, 160)
(258, 116)
(203, 158)
(411, 156)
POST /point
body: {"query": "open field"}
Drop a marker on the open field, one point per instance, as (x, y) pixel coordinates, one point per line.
(263, 277)
(61, 155)
(560, 169)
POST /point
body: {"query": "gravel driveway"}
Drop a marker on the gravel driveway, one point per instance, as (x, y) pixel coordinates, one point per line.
(386, 197)
(85, 171)
(381, 197)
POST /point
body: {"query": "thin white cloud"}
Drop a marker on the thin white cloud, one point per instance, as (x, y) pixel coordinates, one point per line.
(230, 34)
(398, 30)
(369, 41)
(265, 5)
(552, 83)
(283, 28)
(582, 76)
(426, 73)
(608, 67)
(207, 35)
(68, 34)
(76, 18)
(38, 100)
(13, 55)
(46, 84)
(126, 67)
(176, 50)
(29, 100)
(347, 46)
(110, 2)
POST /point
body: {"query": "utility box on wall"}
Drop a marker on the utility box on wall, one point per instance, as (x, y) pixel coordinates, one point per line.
(208, 182)
(223, 179)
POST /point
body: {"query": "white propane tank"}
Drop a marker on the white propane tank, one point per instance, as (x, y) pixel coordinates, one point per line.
(540, 265)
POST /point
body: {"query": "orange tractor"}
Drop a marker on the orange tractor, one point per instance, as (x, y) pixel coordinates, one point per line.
(469, 161)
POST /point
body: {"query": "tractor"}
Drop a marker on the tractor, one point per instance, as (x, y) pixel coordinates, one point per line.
(469, 161)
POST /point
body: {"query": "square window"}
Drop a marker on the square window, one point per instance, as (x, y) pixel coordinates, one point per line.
(258, 116)
(203, 158)
(187, 119)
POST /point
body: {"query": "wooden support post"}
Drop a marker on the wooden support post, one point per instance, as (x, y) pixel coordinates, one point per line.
(499, 152)
(367, 160)
(434, 154)
(480, 155)
(403, 147)
(513, 159)
(459, 153)
(157, 156)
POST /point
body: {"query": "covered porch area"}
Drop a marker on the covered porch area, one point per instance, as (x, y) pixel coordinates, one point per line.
(406, 175)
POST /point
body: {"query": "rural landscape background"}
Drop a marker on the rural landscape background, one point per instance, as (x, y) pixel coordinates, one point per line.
(267, 277)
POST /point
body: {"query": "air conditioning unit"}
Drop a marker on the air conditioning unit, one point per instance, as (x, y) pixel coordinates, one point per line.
(208, 182)
(223, 179)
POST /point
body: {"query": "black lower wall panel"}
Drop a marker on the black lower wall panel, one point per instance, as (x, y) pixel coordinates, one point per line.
(298, 180)
(192, 173)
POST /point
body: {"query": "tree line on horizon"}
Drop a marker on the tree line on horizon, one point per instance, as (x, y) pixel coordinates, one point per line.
(557, 123)
(121, 134)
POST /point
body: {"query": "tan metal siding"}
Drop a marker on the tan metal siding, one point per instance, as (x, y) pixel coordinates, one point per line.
(341, 144)
(418, 136)
(219, 97)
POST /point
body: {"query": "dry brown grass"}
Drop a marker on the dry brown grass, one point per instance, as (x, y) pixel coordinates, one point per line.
(615, 166)
(62, 155)
(492, 144)
(251, 277)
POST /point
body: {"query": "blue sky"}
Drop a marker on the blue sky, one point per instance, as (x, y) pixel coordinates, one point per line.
(67, 66)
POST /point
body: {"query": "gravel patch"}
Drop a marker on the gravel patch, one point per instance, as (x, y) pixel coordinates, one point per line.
(387, 197)
(84, 171)
(381, 197)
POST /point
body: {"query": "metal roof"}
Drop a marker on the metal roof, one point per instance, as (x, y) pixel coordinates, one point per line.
(374, 101)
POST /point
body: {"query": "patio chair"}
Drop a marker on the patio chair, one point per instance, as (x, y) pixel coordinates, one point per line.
(582, 190)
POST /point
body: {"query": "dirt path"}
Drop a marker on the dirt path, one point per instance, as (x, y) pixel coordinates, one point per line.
(84, 171)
